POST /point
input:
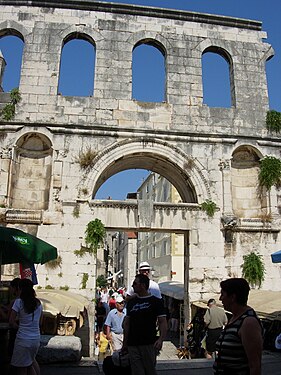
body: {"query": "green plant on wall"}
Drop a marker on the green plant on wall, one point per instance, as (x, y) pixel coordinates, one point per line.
(76, 211)
(49, 287)
(82, 251)
(55, 263)
(8, 112)
(253, 269)
(85, 279)
(270, 172)
(65, 287)
(95, 234)
(209, 207)
(86, 158)
(273, 121)
(101, 281)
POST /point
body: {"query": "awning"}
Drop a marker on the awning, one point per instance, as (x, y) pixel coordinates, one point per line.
(62, 302)
(276, 257)
(266, 303)
(174, 289)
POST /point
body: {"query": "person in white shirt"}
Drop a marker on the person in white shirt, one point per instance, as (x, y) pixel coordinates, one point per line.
(28, 309)
(144, 269)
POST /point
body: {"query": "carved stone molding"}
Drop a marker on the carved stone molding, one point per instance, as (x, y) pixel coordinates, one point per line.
(23, 216)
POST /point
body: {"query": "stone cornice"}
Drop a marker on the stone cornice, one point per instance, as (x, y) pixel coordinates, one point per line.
(133, 204)
(170, 135)
(137, 10)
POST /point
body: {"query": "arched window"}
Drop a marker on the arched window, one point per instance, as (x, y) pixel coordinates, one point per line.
(77, 66)
(11, 47)
(149, 72)
(217, 74)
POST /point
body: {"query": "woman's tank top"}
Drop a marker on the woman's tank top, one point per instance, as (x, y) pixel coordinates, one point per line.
(231, 357)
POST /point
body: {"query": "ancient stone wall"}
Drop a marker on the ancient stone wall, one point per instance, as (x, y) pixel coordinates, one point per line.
(182, 139)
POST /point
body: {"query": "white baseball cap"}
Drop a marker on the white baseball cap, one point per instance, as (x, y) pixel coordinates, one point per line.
(119, 299)
(144, 266)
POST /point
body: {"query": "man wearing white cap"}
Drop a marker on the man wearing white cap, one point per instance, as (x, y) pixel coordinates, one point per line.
(113, 323)
(144, 269)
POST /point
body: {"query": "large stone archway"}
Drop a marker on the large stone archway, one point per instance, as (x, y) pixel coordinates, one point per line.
(182, 170)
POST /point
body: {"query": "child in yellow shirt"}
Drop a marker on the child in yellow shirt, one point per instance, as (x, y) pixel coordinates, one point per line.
(103, 344)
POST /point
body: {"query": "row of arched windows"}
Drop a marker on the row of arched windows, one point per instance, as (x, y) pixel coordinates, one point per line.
(77, 70)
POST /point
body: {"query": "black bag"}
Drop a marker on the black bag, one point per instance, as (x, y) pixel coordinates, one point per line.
(110, 368)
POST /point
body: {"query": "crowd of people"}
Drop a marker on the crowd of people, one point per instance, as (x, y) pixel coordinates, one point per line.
(233, 341)
(131, 331)
(132, 324)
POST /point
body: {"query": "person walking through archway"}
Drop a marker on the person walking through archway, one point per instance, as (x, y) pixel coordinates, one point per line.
(215, 319)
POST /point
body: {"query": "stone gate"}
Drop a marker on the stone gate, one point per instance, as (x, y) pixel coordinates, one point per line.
(206, 153)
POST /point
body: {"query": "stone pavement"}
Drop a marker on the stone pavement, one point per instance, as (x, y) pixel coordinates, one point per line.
(167, 363)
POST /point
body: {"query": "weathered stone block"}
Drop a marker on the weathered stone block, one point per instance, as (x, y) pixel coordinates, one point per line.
(59, 349)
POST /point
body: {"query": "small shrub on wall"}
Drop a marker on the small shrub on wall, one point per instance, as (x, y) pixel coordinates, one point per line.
(273, 121)
(253, 269)
(209, 207)
(270, 172)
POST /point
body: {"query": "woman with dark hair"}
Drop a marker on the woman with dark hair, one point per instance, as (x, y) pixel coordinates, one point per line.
(239, 347)
(27, 309)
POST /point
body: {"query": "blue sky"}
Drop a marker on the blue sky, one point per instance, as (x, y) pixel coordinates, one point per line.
(269, 12)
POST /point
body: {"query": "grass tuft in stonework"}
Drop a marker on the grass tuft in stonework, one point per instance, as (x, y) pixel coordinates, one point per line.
(86, 158)
(55, 263)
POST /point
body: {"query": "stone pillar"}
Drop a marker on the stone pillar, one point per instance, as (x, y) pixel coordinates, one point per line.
(2, 68)
(5, 170)
(224, 166)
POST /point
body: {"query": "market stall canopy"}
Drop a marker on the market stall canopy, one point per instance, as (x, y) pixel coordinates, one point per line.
(17, 246)
(266, 303)
(276, 257)
(174, 289)
(62, 302)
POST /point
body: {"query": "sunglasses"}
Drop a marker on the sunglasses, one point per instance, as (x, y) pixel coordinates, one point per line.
(120, 303)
